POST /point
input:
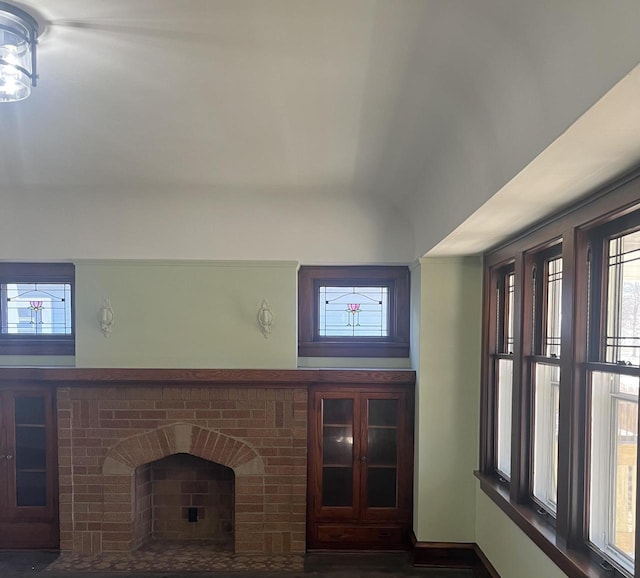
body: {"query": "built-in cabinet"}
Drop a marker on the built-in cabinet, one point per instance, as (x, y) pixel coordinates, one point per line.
(360, 467)
(28, 493)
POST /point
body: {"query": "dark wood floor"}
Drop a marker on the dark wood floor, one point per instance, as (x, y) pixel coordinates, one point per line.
(318, 565)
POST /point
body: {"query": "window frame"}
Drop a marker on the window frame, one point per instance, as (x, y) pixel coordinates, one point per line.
(312, 344)
(565, 538)
(535, 318)
(20, 344)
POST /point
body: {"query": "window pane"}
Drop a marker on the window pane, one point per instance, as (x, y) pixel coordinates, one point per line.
(337, 445)
(614, 436)
(337, 486)
(31, 488)
(383, 412)
(507, 313)
(36, 308)
(545, 426)
(30, 410)
(623, 300)
(337, 411)
(554, 308)
(505, 379)
(31, 448)
(382, 446)
(353, 311)
(381, 488)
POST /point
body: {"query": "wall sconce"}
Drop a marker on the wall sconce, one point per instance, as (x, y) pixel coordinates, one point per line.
(18, 35)
(265, 319)
(106, 318)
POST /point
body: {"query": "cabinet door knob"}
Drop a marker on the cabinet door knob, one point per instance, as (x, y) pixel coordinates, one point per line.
(363, 458)
(9, 457)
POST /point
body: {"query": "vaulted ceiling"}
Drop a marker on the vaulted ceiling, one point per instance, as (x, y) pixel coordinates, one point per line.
(318, 130)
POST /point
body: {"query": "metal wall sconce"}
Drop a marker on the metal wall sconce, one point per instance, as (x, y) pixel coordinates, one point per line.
(265, 319)
(18, 36)
(106, 318)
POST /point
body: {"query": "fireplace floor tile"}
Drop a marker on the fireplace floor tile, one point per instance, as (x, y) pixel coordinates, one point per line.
(176, 556)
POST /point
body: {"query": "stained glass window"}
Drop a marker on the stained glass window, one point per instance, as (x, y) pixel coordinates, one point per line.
(353, 311)
(36, 308)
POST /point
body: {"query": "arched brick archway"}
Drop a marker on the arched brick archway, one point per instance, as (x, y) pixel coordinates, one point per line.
(121, 461)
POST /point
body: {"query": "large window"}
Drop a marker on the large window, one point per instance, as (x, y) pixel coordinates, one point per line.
(561, 383)
(503, 366)
(545, 375)
(614, 266)
(353, 311)
(36, 308)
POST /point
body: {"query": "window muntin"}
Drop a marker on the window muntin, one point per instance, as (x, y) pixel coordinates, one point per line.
(574, 538)
(545, 378)
(553, 293)
(622, 340)
(37, 309)
(353, 311)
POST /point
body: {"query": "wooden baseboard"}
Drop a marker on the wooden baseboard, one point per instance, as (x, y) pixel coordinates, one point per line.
(452, 555)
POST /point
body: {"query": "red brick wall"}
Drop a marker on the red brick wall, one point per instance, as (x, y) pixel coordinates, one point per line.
(183, 481)
(107, 433)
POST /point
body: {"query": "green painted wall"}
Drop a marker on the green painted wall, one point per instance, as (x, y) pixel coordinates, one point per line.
(447, 306)
(512, 554)
(186, 314)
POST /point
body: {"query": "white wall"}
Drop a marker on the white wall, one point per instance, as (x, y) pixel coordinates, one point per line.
(548, 63)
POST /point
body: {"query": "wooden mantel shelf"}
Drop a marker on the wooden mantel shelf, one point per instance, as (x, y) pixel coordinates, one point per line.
(240, 377)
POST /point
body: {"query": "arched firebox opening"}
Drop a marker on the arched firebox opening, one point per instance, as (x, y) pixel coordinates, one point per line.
(182, 497)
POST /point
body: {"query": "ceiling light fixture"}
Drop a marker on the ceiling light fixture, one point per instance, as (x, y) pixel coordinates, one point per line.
(18, 35)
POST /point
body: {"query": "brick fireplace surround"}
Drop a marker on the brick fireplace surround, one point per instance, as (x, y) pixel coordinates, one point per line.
(112, 423)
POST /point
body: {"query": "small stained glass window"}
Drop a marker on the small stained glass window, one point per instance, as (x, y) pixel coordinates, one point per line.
(36, 308)
(353, 311)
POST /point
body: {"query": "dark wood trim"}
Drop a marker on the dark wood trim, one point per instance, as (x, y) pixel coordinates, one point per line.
(223, 377)
(485, 569)
(452, 555)
(582, 229)
(39, 344)
(574, 562)
(395, 278)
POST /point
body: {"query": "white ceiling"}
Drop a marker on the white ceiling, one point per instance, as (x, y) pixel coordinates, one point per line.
(378, 126)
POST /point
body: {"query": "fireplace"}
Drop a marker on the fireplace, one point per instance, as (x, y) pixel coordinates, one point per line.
(183, 497)
(141, 462)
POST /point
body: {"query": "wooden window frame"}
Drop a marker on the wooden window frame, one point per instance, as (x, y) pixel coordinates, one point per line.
(565, 538)
(395, 278)
(39, 344)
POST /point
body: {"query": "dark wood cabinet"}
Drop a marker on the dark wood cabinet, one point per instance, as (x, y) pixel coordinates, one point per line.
(360, 468)
(28, 489)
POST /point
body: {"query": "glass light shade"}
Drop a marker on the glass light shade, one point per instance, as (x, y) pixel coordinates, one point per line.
(18, 33)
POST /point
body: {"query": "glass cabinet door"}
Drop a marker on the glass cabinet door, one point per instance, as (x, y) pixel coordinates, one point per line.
(28, 455)
(28, 505)
(382, 453)
(338, 437)
(30, 451)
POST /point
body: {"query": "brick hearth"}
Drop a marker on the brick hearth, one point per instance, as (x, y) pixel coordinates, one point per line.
(109, 435)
